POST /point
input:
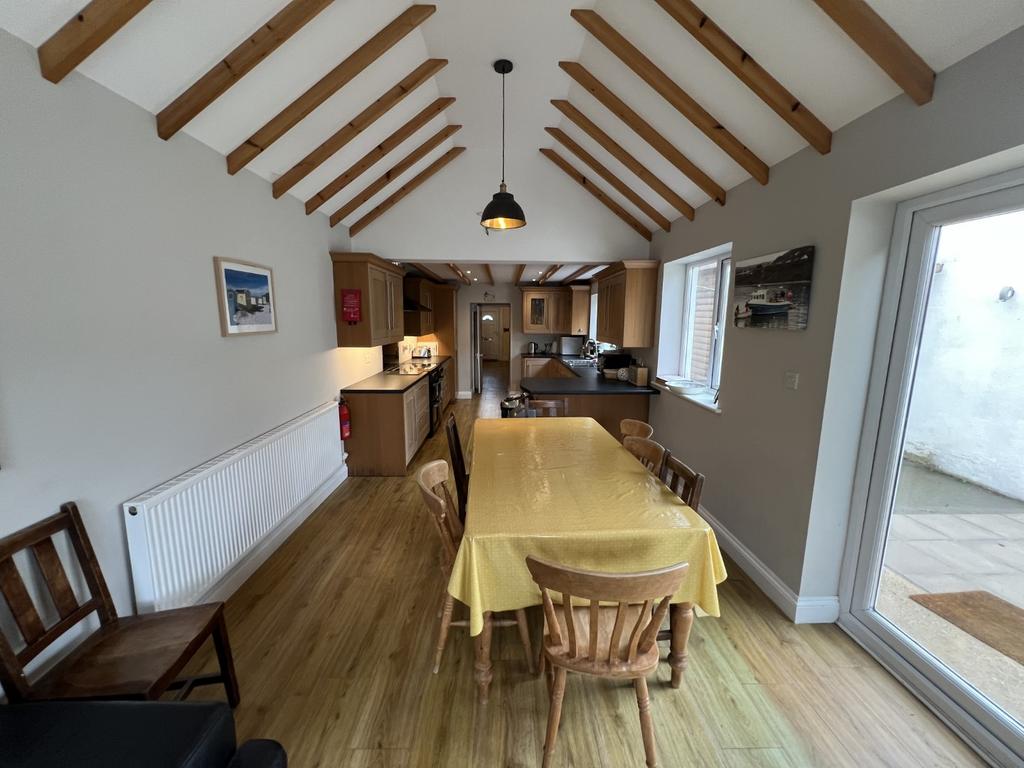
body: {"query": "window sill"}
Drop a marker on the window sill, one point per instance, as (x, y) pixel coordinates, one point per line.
(705, 400)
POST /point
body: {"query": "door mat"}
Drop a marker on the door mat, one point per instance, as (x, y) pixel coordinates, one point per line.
(994, 621)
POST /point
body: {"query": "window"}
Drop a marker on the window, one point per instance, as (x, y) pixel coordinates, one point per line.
(694, 297)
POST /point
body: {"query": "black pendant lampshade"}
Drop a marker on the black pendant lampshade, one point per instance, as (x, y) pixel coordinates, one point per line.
(503, 212)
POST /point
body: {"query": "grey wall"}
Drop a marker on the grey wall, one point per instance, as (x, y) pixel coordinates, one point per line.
(775, 479)
(113, 373)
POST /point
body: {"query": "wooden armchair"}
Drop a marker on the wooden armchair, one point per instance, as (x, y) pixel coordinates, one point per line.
(432, 480)
(606, 626)
(647, 452)
(128, 657)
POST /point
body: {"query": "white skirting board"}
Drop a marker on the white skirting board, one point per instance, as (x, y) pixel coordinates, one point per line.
(247, 566)
(800, 610)
(464, 395)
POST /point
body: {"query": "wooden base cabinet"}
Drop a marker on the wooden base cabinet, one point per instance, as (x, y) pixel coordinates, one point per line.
(626, 297)
(545, 368)
(379, 286)
(388, 429)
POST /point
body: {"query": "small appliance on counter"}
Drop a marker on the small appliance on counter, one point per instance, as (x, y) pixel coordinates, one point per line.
(422, 352)
(532, 348)
(612, 361)
(570, 345)
(513, 405)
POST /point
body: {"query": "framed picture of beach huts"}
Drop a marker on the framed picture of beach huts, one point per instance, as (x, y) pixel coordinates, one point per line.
(774, 291)
(245, 295)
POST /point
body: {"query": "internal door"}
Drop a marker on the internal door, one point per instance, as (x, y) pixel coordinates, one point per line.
(490, 333)
(937, 584)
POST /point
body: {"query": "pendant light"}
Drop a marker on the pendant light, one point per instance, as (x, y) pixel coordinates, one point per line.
(503, 212)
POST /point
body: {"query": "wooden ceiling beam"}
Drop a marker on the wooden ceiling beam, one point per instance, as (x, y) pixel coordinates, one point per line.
(575, 275)
(548, 273)
(753, 75)
(644, 129)
(459, 274)
(405, 190)
(236, 65)
(685, 104)
(329, 84)
(354, 171)
(83, 33)
(393, 173)
(652, 213)
(357, 125)
(887, 49)
(490, 275)
(616, 150)
(428, 272)
(519, 274)
(582, 180)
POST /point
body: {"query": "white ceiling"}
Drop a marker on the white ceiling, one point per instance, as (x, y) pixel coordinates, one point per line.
(173, 42)
(507, 272)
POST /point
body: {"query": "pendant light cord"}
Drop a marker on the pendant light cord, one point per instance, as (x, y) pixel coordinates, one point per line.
(502, 127)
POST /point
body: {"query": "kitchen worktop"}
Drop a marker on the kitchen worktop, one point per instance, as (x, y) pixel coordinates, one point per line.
(586, 381)
(384, 383)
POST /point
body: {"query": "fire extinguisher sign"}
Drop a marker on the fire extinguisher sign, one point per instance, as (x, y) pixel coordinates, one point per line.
(351, 305)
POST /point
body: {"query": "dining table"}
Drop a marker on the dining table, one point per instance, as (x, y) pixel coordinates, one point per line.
(565, 490)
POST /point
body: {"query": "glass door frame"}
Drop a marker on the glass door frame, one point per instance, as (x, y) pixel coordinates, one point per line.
(900, 325)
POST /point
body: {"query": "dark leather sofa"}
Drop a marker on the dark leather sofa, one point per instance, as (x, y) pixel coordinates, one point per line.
(128, 734)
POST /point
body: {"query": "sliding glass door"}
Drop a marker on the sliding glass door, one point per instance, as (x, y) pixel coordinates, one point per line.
(936, 585)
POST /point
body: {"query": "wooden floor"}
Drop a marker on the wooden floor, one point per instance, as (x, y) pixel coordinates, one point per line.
(333, 639)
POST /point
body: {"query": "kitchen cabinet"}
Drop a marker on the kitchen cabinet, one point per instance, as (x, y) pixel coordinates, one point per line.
(450, 380)
(548, 311)
(416, 410)
(419, 291)
(579, 310)
(545, 368)
(626, 297)
(379, 284)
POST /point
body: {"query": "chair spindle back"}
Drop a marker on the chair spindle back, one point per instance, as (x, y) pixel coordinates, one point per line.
(648, 452)
(636, 428)
(432, 479)
(685, 483)
(451, 430)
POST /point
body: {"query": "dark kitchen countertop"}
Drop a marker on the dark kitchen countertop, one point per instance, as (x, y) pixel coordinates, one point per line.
(392, 383)
(588, 381)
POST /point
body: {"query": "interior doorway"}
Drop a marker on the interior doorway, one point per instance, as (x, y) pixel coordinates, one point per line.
(938, 584)
(492, 331)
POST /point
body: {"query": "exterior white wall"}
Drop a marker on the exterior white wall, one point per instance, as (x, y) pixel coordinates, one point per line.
(779, 462)
(114, 375)
(967, 411)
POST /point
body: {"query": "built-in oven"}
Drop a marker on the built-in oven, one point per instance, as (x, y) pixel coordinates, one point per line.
(436, 398)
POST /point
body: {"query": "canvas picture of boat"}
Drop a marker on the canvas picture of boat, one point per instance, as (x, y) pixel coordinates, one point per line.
(774, 291)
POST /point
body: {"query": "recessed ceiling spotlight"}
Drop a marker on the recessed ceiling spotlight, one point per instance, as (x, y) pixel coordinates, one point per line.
(540, 271)
(469, 271)
(475, 279)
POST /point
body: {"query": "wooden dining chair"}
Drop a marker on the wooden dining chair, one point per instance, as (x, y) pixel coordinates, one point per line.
(648, 452)
(549, 407)
(451, 430)
(587, 634)
(685, 483)
(128, 657)
(636, 428)
(432, 480)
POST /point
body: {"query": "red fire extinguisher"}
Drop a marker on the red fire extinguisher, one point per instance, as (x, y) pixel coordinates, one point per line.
(345, 418)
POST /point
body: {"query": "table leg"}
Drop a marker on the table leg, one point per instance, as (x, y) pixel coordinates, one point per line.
(482, 669)
(681, 619)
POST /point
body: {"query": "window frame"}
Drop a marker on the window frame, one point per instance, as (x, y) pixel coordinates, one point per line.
(723, 264)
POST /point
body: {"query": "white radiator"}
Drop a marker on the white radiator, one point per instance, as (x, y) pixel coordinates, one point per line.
(199, 535)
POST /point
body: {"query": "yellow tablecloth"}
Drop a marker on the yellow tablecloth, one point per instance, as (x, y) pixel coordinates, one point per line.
(565, 490)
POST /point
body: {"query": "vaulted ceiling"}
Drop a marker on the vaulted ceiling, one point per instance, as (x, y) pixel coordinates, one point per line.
(347, 105)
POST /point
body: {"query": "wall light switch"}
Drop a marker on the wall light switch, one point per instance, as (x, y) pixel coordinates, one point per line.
(792, 380)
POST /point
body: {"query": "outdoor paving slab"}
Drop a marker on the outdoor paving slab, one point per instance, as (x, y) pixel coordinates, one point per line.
(955, 527)
(1009, 552)
(962, 558)
(1003, 525)
(904, 557)
(942, 582)
(911, 527)
(1009, 586)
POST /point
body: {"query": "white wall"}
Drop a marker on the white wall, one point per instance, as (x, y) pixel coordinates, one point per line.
(968, 405)
(114, 374)
(780, 462)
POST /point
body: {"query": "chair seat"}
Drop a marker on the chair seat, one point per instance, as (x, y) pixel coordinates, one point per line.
(131, 657)
(559, 654)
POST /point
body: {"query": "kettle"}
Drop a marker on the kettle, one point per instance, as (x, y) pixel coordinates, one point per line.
(532, 348)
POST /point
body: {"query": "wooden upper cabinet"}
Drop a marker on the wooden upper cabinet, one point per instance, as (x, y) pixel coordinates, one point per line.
(549, 311)
(419, 322)
(379, 284)
(626, 297)
(579, 315)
